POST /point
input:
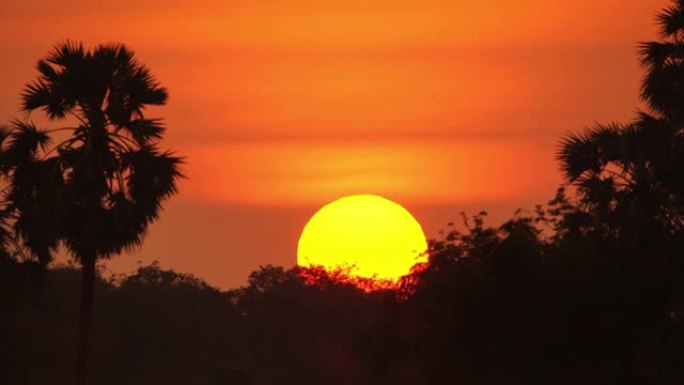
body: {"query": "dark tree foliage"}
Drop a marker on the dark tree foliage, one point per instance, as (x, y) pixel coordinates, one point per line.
(505, 305)
(96, 184)
(630, 177)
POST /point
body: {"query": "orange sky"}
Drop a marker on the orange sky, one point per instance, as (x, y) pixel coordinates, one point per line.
(282, 106)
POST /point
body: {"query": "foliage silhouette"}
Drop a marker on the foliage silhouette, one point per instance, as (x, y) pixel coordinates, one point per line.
(97, 189)
(631, 176)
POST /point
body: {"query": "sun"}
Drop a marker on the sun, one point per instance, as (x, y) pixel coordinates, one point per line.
(367, 236)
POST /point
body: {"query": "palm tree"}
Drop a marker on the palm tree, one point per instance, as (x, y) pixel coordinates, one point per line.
(631, 176)
(663, 86)
(96, 184)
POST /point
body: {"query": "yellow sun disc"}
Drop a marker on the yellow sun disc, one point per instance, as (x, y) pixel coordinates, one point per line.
(366, 235)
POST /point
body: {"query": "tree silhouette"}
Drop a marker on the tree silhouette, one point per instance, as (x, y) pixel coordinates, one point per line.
(662, 87)
(629, 212)
(631, 176)
(98, 188)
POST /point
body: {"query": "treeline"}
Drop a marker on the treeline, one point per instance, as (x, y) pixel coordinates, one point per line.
(505, 305)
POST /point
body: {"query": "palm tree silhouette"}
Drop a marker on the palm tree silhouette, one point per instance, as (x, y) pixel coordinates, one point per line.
(631, 176)
(97, 189)
(663, 86)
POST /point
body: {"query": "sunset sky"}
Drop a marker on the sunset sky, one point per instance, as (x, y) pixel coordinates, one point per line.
(282, 106)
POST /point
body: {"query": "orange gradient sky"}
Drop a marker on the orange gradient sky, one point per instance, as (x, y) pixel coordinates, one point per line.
(282, 106)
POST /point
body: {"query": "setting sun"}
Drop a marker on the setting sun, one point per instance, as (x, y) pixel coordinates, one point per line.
(370, 236)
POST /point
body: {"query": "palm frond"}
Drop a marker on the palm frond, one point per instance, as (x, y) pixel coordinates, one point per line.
(126, 228)
(67, 54)
(125, 56)
(37, 191)
(5, 133)
(597, 190)
(656, 54)
(145, 131)
(47, 71)
(609, 140)
(132, 86)
(592, 150)
(153, 177)
(6, 233)
(671, 19)
(26, 139)
(653, 135)
(577, 155)
(663, 89)
(40, 94)
(145, 89)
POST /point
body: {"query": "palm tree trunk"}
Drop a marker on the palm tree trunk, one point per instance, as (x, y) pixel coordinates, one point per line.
(85, 318)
